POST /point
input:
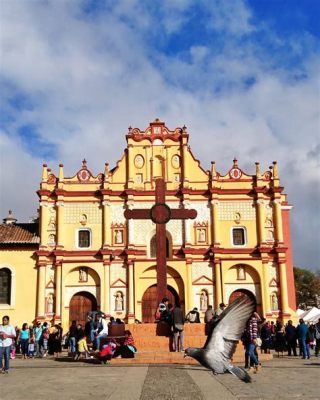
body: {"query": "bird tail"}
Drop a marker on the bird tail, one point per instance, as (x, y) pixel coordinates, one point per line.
(240, 373)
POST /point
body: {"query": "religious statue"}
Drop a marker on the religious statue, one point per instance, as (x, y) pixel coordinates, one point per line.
(83, 219)
(50, 304)
(52, 240)
(203, 301)
(274, 302)
(201, 235)
(270, 235)
(119, 236)
(83, 275)
(241, 273)
(119, 302)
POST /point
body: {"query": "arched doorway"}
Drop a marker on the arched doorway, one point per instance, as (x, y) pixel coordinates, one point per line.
(80, 304)
(240, 293)
(150, 303)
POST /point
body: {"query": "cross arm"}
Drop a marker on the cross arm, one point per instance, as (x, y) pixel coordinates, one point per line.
(182, 213)
(141, 213)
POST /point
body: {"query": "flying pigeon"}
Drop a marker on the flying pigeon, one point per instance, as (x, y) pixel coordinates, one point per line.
(223, 338)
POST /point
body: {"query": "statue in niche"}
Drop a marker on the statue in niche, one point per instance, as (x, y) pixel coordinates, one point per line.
(203, 301)
(274, 302)
(268, 222)
(83, 219)
(201, 235)
(241, 273)
(50, 304)
(119, 236)
(237, 218)
(83, 275)
(270, 236)
(119, 302)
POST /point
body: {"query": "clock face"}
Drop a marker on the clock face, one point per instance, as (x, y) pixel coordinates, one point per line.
(83, 175)
(235, 173)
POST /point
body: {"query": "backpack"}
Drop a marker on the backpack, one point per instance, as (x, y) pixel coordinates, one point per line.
(317, 333)
(45, 334)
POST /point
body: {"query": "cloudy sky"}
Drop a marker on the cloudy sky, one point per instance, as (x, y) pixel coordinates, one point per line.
(242, 75)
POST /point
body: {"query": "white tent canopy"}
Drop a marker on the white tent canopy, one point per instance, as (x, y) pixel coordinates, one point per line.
(310, 315)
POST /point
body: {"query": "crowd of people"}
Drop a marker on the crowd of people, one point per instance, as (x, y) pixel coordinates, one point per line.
(93, 340)
(42, 340)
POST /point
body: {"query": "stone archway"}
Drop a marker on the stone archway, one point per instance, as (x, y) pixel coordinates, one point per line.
(149, 302)
(241, 293)
(80, 304)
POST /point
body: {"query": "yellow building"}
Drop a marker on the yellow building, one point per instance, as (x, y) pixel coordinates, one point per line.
(87, 256)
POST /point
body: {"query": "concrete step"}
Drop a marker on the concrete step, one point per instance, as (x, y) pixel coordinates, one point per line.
(162, 329)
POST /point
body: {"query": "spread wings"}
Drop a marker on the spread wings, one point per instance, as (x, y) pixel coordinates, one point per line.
(230, 326)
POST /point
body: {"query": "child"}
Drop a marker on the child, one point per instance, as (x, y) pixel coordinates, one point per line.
(82, 349)
(31, 348)
(106, 352)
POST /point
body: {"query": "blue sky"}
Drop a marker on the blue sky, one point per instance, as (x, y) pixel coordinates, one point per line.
(242, 75)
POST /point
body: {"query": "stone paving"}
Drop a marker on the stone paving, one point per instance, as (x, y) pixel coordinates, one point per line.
(283, 378)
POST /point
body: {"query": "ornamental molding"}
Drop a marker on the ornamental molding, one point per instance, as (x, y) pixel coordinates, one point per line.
(202, 269)
(71, 291)
(254, 288)
(74, 211)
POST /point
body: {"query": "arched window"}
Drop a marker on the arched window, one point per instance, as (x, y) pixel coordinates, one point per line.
(153, 247)
(5, 286)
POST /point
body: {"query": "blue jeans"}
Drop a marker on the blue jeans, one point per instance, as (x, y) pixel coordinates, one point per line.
(24, 346)
(5, 352)
(305, 348)
(98, 340)
(250, 347)
(72, 342)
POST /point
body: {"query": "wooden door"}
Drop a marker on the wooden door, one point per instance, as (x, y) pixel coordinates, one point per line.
(150, 302)
(80, 304)
(243, 292)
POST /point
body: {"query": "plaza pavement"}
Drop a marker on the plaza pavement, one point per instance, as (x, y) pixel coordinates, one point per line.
(283, 378)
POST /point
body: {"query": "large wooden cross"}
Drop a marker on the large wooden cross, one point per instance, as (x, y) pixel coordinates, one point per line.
(160, 213)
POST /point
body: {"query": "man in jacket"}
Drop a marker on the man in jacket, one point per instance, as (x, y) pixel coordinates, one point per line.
(291, 338)
(302, 332)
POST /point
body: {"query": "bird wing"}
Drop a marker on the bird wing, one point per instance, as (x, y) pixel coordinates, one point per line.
(228, 331)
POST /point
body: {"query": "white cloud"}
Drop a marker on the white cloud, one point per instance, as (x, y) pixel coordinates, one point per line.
(87, 77)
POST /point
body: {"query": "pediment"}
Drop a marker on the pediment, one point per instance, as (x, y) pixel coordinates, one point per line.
(119, 283)
(203, 280)
(273, 283)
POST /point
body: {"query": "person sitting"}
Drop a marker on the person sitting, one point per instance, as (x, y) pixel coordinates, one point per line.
(193, 316)
(127, 349)
(102, 330)
(106, 352)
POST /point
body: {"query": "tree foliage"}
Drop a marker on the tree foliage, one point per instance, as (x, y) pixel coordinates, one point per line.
(307, 285)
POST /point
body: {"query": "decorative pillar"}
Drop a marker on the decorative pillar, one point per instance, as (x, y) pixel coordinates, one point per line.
(147, 163)
(60, 223)
(261, 218)
(218, 288)
(130, 267)
(265, 287)
(58, 290)
(283, 287)
(41, 289)
(189, 298)
(278, 220)
(185, 165)
(106, 223)
(43, 223)
(215, 222)
(187, 223)
(130, 165)
(167, 164)
(106, 295)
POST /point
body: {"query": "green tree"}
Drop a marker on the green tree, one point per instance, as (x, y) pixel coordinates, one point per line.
(307, 284)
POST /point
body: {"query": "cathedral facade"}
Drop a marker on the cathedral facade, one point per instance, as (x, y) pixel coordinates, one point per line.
(85, 255)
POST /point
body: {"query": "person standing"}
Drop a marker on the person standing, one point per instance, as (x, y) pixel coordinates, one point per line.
(37, 331)
(24, 340)
(102, 331)
(7, 333)
(302, 332)
(73, 335)
(178, 327)
(317, 336)
(220, 310)
(291, 338)
(251, 342)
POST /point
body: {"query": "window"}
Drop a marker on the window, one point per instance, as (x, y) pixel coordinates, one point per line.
(84, 237)
(238, 236)
(5, 286)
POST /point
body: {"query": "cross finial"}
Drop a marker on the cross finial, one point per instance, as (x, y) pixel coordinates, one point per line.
(235, 162)
(84, 163)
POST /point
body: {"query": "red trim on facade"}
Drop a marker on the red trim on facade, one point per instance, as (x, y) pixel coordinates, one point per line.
(289, 259)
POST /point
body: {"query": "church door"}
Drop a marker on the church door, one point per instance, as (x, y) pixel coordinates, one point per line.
(240, 293)
(150, 302)
(80, 304)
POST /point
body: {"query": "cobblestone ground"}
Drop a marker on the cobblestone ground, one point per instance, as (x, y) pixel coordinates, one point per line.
(284, 378)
